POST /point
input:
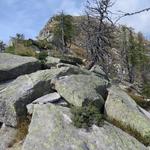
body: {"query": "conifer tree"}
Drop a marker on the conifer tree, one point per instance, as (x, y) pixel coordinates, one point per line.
(64, 30)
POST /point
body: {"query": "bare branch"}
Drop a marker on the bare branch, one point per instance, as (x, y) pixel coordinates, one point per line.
(132, 13)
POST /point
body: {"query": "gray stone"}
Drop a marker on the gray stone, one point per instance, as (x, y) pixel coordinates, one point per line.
(49, 98)
(122, 109)
(59, 65)
(52, 61)
(54, 98)
(3, 85)
(7, 137)
(12, 66)
(73, 70)
(64, 60)
(16, 146)
(81, 89)
(99, 71)
(22, 91)
(145, 112)
(51, 128)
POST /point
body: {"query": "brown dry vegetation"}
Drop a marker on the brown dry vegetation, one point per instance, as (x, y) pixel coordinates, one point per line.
(22, 131)
(139, 99)
(78, 51)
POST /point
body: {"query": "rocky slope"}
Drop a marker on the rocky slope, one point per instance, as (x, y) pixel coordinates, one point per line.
(45, 99)
(118, 68)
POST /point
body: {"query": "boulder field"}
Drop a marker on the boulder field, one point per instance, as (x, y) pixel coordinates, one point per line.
(45, 98)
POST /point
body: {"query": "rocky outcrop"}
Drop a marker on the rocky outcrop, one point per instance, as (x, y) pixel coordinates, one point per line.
(51, 128)
(62, 60)
(27, 88)
(12, 66)
(22, 91)
(82, 89)
(123, 111)
(46, 97)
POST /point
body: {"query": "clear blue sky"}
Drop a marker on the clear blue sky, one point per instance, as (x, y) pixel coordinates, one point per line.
(29, 16)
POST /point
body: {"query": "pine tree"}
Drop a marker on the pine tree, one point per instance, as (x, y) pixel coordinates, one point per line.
(133, 55)
(64, 30)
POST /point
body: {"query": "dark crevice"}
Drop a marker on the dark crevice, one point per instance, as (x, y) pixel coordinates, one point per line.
(22, 130)
(1, 124)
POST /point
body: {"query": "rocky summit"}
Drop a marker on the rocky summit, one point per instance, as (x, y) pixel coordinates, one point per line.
(51, 109)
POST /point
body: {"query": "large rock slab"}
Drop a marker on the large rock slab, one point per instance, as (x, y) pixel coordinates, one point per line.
(51, 128)
(53, 98)
(82, 89)
(3, 85)
(12, 66)
(7, 137)
(123, 111)
(22, 91)
(49, 98)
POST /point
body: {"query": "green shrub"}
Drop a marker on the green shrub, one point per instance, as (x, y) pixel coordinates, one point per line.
(20, 49)
(28, 43)
(139, 99)
(85, 117)
(128, 129)
(43, 44)
(146, 90)
(10, 49)
(42, 56)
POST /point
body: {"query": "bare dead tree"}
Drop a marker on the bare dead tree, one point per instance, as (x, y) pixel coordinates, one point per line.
(62, 31)
(99, 26)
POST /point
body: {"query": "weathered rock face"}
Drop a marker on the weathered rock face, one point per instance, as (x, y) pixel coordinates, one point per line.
(81, 89)
(11, 66)
(22, 91)
(3, 85)
(7, 136)
(73, 70)
(51, 128)
(145, 112)
(98, 71)
(121, 109)
(54, 98)
(49, 98)
(52, 61)
(63, 60)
